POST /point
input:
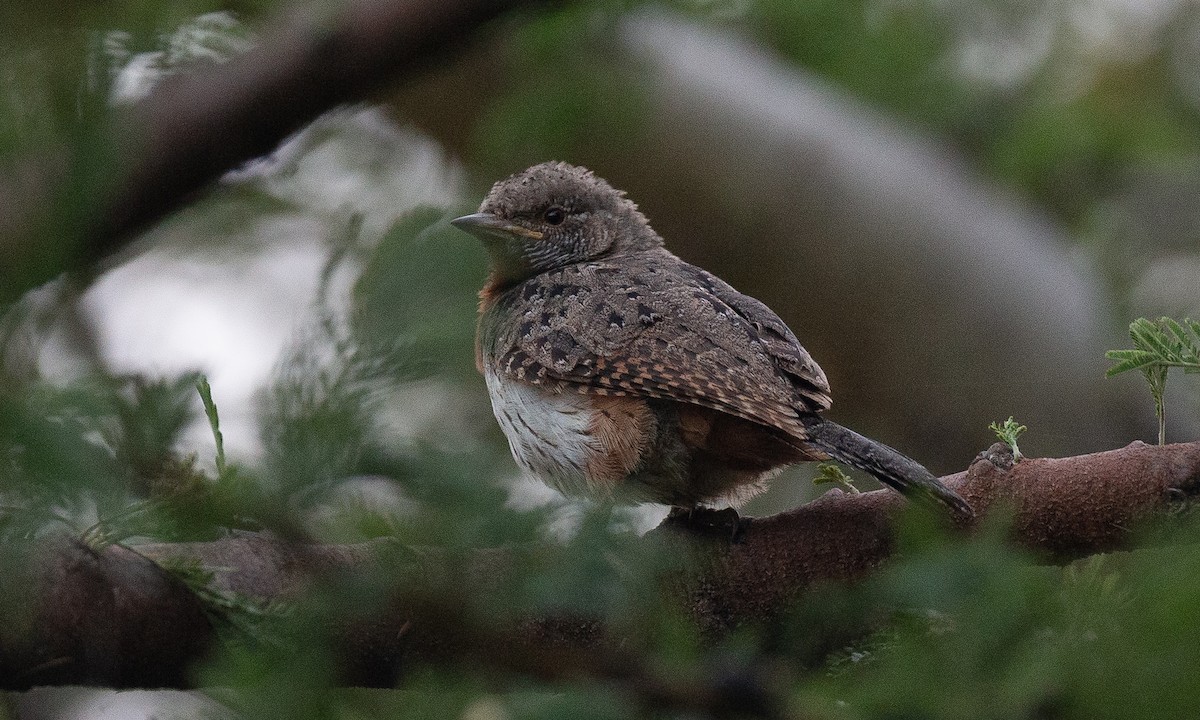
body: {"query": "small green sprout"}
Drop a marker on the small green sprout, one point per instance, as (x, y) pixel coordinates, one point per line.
(830, 474)
(1008, 432)
(1159, 346)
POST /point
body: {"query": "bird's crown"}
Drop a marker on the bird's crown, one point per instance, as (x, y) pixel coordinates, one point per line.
(573, 188)
(553, 215)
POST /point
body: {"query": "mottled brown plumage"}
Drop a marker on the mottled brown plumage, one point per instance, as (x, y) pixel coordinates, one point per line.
(615, 367)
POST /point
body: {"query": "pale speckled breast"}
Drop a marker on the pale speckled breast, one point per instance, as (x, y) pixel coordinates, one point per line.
(547, 432)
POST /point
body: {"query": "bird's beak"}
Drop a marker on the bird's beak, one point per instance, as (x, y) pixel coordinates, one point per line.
(486, 225)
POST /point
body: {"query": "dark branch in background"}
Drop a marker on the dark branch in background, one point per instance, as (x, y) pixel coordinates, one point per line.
(114, 618)
(196, 126)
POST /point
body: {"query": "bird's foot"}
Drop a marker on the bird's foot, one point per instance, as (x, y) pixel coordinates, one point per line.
(723, 524)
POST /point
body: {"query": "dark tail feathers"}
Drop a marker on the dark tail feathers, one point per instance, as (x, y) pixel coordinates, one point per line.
(887, 465)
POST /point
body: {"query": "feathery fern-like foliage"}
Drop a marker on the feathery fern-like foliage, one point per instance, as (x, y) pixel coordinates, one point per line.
(1158, 346)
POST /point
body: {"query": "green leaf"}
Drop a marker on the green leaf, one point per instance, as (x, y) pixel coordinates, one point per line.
(1129, 360)
(214, 421)
(1185, 340)
(1148, 336)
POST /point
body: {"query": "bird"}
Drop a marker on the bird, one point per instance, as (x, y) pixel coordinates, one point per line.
(617, 370)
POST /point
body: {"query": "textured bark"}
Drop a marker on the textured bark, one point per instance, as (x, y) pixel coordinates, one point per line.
(114, 618)
(1061, 509)
(104, 618)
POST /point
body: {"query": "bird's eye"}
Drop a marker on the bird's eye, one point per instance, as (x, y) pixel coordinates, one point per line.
(554, 215)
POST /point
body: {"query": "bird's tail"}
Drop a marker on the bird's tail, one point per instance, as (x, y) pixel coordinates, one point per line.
(887, 465)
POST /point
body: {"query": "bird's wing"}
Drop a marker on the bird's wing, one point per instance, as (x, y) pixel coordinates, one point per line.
(655, 328)
(790, 358)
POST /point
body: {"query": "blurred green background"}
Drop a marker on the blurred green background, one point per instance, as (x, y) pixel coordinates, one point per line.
(958, 207)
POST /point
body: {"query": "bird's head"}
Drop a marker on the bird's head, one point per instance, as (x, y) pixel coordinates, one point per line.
(553, 215)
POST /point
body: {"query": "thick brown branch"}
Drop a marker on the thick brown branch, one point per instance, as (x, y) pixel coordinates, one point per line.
(1061, 509)
(114, 618)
